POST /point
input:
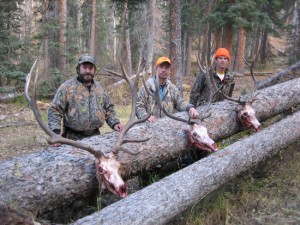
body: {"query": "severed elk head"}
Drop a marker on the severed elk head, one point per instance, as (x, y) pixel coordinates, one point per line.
(245, 112)
(197, 134)
(108, 169)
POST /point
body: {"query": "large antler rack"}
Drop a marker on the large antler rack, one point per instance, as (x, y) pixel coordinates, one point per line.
(54, 138)
(132, 120)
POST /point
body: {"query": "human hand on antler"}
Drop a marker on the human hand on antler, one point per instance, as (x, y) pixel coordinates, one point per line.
(193, 113)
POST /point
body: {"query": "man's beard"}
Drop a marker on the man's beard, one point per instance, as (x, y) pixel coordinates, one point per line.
(83, 77)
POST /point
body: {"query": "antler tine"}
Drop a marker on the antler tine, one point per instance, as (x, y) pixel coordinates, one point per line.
(252, 74)
(132, 121)
(55, 138)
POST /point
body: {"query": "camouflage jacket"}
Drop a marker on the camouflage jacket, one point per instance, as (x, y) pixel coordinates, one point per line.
(81, 109)
(172, 101)
(200, 91)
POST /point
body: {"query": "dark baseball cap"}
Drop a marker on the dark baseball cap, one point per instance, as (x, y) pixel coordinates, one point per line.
(86, 58)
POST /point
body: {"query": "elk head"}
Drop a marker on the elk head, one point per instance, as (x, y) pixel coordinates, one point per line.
(107, 167)
(200, 138)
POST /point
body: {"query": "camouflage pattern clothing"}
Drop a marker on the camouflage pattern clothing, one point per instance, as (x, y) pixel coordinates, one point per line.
(84, 110)
(200, 91)
(172, 101)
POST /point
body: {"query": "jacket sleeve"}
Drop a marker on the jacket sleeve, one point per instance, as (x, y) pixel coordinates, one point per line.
(196, 90)
(141, 103)
(57, 109)
(110, 114)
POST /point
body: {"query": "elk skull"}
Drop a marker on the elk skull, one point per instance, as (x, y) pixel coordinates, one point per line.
(199, 138)
(246, 116)
(109, 175)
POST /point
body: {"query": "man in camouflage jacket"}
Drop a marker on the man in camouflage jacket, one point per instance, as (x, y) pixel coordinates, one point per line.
(83, 104)
(200, 91)
(169, 94)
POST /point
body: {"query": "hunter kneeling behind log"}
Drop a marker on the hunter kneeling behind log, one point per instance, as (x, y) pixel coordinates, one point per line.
(83, 104)
(169, 95)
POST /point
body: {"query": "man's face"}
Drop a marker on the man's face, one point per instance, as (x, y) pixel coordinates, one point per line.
(222, 62)
(163, 70)
(87, 71)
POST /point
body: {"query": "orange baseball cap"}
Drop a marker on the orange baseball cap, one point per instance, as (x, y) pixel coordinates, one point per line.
(222, 52)
(162, 60)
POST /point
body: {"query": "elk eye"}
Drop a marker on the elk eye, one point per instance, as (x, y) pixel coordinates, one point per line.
(100, 170)
(195, 134)
(245, 114)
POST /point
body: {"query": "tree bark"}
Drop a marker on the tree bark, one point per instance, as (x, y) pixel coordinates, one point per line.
(282, 76)
(93, 28)
(163, 200)
(61, 59)
(241, 51)
(41, 180)
(175, 43)
(150, 38)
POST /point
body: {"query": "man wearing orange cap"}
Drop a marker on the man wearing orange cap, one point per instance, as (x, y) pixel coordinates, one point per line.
(169, 94)
(200, 92)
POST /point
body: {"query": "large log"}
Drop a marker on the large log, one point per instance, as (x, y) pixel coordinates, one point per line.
(282, 76)
(163, 200)
(41, 180)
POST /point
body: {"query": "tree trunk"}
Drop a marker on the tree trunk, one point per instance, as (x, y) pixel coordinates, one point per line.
(241, 51)
(282, 76)
(127, 41)
(61, 58)
(188, 60)
(206, 36)
(263, 50)
(219, 38)
(93, 28)
(229, 38)
(46, 40)
(175, 43)
(150, 37)
(163, 200)
(41, 180)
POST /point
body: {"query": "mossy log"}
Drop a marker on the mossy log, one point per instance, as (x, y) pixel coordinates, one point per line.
(163, 200)
(56, 177)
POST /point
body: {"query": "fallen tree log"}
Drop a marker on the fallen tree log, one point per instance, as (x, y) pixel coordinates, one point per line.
(163, 200)
(282, 76)
(39, 181)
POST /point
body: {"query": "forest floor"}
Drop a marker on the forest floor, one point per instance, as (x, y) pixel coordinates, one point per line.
(269, 198)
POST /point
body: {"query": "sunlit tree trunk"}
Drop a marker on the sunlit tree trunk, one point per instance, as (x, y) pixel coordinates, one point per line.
(62, 16)
(241, 51)
(93, 28)
(175, 43)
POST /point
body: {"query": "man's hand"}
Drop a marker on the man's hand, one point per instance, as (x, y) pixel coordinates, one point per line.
(56, 145)
(151, 119)
(193, 113)
(119, 127)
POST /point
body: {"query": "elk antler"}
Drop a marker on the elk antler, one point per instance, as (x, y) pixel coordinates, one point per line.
(132, 120)
(54, 138)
